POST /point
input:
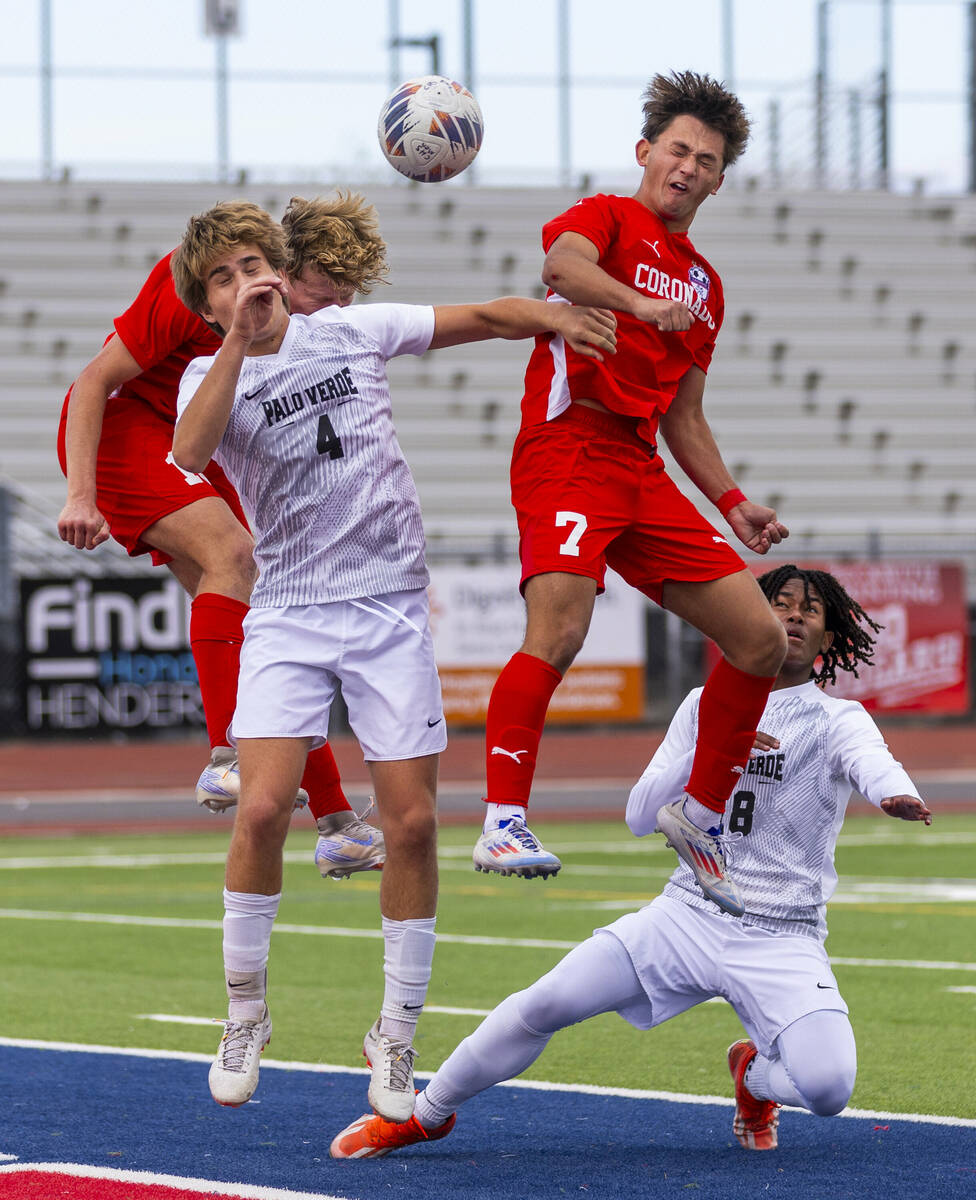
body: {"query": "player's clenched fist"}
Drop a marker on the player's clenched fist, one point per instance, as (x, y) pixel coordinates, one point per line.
(670, 316)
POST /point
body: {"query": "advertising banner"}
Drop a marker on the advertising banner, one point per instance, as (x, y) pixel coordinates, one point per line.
(478, 621)
(921, 656)
(107, 654)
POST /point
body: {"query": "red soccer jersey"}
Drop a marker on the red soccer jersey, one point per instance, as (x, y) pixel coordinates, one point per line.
(641, 379)
(162, 335)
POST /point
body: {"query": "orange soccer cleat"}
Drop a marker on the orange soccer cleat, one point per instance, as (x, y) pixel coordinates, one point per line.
(755, 1120)
(372, 1137)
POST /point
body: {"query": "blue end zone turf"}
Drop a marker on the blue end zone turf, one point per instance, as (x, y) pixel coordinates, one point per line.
(145, 1114)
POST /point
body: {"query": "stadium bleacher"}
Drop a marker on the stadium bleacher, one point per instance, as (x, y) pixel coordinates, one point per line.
(843, 388)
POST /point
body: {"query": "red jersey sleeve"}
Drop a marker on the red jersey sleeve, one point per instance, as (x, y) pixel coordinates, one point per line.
(156, 324)
(592, 217)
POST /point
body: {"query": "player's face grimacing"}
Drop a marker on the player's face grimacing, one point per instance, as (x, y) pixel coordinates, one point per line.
(801, 610)
(682, 166)
(314, 288)
(226, 275)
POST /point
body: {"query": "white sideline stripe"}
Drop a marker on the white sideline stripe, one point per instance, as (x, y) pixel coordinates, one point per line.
(206, 1187)
(461, 939)
(173, 1019)
(652, 845)
(969, 991)
(586, 1089)
(17, 914)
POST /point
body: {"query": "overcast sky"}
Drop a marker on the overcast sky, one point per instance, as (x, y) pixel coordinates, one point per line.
(134, 92)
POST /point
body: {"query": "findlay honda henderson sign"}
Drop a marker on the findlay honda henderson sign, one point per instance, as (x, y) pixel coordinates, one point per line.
(107, 654)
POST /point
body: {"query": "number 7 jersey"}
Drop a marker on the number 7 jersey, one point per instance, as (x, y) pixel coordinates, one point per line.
(789, 806)
(311, 448)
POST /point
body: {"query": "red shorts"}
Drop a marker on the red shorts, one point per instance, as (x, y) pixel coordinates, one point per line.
(589, 493)
(135, 485)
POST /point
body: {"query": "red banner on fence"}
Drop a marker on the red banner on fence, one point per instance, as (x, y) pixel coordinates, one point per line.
(921, 657)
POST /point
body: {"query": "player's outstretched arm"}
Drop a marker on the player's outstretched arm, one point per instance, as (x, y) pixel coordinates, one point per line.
(690, 439)
(591, 331)
(80, 524)
(907, 808)
(572, 270)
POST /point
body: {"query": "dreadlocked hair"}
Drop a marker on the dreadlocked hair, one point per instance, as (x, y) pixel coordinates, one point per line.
(843, 616)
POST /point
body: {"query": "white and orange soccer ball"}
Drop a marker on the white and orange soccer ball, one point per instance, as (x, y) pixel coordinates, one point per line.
(430, 128)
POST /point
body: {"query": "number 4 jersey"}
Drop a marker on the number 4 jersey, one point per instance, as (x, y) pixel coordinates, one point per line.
(789, 806)
(311, 448)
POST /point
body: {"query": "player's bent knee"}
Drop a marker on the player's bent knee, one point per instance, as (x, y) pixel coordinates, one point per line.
(828, 1094)
(410, 830)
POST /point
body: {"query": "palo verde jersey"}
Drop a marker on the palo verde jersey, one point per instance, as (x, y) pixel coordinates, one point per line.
(311, 448)
(641, 379)
(789, 806)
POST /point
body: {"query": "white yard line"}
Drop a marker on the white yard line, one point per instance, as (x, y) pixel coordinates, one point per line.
(123, 919)
(527, 1084)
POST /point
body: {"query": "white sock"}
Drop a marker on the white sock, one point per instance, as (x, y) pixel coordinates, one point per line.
(696, 812)
(494, 813)
(407, 961)
(248, 918)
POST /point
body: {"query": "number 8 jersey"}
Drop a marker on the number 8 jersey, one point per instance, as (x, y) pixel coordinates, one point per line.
(789, 806)
(311, 448)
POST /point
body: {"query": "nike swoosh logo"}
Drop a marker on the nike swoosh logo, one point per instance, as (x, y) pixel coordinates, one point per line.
(431, 724)
(412, 1007)
(251, 395)
(229, 984)
(827, 987)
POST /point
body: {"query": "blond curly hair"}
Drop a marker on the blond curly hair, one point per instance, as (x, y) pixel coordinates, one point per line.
(340, 236)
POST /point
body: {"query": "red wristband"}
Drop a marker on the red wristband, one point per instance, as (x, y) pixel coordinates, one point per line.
(728, 501)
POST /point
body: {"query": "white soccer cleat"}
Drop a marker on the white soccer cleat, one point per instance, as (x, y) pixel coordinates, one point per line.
(219, 785)
(706, 853)
(391, 1091)
(234, 1073)
(348, 844)
(513, 849)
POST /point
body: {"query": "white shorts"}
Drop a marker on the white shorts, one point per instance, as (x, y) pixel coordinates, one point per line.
(378, 648)
(683, 955)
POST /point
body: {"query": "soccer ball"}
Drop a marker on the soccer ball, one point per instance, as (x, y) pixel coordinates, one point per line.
(430, 128)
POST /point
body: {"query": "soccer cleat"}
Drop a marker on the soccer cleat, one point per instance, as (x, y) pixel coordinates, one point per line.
(348, 844)
(755, 1120)
(219, 786)
(511, 848)
(391, 1091)
(706, 853)
(372, 1137)
(234, 1074)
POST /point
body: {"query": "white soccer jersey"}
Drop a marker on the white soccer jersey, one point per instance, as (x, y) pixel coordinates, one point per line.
(789, 806)
(311, 448)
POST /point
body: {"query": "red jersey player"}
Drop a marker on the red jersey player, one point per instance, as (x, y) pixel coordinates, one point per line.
(115, 448)
(590, 490)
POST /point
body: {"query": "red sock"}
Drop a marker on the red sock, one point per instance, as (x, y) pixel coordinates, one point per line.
(516, 714)
(729, 711)
(216, 636)
(321, 781)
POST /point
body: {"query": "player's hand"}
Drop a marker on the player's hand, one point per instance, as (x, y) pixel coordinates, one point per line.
(670, 316)
(763, 743)
(81, 525)
(254, 306)
(589, 330)
(756, 526)
(907, 808)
